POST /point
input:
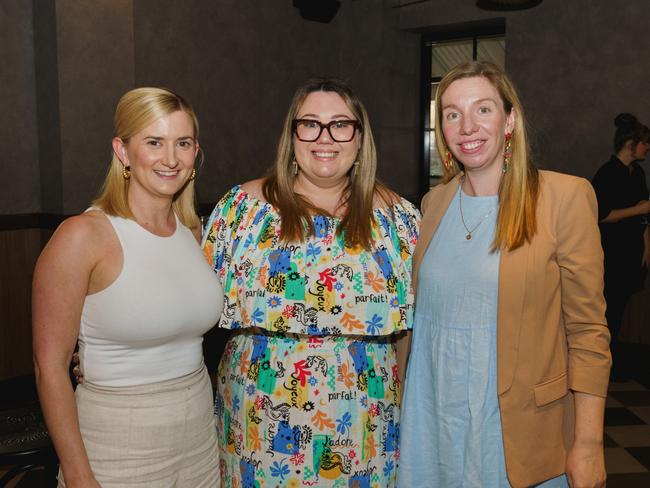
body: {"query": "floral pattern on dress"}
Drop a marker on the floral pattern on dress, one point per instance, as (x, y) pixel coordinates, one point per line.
(296, 410)
(317, 287)
(307, 389)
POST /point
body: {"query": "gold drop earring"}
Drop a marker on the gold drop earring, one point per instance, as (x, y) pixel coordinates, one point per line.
(449, 160)
(507, 152)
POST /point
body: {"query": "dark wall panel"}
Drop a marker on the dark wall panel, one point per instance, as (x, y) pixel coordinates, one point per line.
(19, 190)
(95, 64)
(240, 62)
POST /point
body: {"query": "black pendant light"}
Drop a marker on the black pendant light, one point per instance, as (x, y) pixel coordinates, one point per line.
(317, 10)
(505, 5)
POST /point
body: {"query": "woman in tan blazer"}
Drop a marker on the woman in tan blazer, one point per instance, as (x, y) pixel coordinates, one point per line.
(510, 359)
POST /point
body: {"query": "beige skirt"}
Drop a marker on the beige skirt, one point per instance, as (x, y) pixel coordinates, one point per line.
(158, 435)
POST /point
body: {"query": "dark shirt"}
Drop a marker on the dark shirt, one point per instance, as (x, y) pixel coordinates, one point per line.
(618, 186)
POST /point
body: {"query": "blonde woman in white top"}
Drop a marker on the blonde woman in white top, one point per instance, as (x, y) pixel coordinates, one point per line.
(127, 280)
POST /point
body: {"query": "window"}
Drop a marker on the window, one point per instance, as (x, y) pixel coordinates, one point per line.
(440, 53)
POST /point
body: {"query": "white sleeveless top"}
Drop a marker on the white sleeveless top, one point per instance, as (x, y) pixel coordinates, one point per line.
(148, 325)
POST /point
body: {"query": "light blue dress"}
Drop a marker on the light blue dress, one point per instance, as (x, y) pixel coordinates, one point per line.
(450, 425)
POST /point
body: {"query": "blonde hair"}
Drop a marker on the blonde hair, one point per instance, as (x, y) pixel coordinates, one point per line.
(296, 211)
(136, 110)
(519, 187)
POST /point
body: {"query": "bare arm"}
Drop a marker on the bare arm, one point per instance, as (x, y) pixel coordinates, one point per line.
(618, 214)
(60, 284)
(403, 350)
(585, 466)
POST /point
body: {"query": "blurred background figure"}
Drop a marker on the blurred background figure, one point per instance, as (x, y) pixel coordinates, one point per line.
(623, 210)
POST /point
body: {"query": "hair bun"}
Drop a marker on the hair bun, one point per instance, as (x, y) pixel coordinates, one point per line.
(625, 120)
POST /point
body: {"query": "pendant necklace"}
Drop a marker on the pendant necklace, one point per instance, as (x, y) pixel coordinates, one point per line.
(462, 218)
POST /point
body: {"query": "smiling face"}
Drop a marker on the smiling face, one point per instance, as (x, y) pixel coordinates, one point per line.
(474, 124)
(161, 156)
(325, 162)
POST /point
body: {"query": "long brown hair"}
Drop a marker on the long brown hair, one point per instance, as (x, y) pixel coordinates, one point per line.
(295, 210)
(137, 109)
(519, 187)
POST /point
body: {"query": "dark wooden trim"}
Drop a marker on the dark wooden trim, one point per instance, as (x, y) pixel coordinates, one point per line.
(31, 221)
(468, 30)
(408, 4)
(52, 221)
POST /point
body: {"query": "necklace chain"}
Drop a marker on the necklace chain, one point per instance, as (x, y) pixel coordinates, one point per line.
(462, 217)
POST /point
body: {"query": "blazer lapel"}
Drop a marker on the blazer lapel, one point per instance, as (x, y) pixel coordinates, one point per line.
(513, 267)
(433, 211)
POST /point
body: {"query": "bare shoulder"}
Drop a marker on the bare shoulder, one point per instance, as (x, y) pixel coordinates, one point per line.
(254, 188)
(83, 227)
(82, 236)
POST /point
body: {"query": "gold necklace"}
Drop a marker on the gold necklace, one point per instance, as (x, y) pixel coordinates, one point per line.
(462, 218)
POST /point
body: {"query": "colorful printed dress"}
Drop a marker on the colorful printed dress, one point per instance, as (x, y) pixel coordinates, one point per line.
(308, 390)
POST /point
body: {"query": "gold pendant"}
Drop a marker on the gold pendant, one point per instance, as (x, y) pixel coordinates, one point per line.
(468, 237)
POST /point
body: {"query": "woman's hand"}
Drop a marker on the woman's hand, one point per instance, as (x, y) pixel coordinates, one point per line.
(89, 482)
(585, 466)
(643, 207)
(76, 369)
(585, 463)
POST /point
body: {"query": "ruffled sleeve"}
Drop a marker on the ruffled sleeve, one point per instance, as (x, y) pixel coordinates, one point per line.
(404, 226)
(316, 287)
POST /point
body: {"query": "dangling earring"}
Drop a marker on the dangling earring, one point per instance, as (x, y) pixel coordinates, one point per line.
(449, 160)
(507, 152)
(355, 171)
(126, 172)
(295, 167)
(193, 174)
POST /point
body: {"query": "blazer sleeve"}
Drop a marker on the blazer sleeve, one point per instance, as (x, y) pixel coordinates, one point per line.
(580, 258)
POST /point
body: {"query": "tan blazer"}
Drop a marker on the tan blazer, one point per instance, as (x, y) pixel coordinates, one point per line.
(552, 337)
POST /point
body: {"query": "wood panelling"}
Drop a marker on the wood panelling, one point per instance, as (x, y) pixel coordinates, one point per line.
(19, 250)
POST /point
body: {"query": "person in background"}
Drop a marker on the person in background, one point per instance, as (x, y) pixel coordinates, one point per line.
(622, 195)
(315, 262)
(128, 281)
(509, 365)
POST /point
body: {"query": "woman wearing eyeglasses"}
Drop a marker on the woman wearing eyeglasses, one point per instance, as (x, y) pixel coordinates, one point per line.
(315, 261)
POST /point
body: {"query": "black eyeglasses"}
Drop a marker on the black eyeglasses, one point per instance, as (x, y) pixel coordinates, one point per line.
(309, 130)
